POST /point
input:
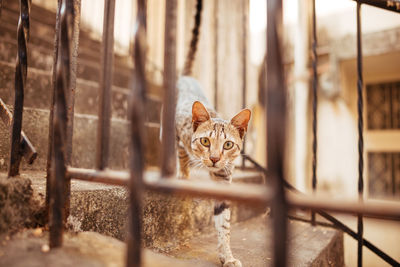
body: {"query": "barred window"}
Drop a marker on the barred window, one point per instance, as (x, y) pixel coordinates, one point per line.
(383, 113)
(384, 175)
(383, 106)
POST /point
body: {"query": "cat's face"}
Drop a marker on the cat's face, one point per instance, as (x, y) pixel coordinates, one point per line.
(216, 142)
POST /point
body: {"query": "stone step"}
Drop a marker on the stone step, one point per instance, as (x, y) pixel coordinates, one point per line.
(251, 244)
(35, 125)
(42, 25)
(170, 226)
(38, 94)
(9, 31)
(41, 57)
(168, 221)
(27, 248)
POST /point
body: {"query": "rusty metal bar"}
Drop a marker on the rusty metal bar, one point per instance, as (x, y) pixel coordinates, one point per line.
(243, 192)
(27, 149)
(70, 93)
(360, 107)
(387, 210)
(110, 177)
(21, 68)
(187, 69)
(105, 96)
(391, 5)
(276, 129)
(52, 104)
(168, 154)
(63, 75)
(136, 110)
(215, 48)
(244, 64)
(314, 58)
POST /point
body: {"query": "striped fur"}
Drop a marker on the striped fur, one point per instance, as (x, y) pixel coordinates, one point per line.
(196, 120)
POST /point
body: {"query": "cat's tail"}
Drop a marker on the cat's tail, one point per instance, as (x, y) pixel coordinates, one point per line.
(195, 39)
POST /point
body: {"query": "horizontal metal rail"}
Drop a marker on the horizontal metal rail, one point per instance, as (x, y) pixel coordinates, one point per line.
(27, 149)
(247, 193)
(243, 192)
(384, 210)
(391, 5)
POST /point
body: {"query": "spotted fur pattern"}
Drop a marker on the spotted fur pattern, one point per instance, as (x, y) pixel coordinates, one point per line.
(205, 140)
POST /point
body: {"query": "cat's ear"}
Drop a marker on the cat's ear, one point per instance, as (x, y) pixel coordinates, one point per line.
(241, 120)
(199, 114)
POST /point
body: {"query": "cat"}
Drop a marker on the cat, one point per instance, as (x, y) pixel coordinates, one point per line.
(206, 140)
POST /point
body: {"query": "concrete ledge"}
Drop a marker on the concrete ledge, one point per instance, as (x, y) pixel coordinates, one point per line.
(168, 221)
(35, 125)
(251, 244)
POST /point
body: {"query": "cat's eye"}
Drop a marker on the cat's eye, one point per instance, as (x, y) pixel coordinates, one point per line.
(205, 141)
(228, 145)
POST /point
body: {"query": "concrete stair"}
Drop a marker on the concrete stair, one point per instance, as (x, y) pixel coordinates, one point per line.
(180, 228)
(38, 94)
(168, 221)
(312, 246)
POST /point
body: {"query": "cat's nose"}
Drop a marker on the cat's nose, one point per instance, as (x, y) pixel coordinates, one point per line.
(214, 159)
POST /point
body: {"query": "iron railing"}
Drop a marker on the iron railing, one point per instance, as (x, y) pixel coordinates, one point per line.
(61, 125)
(135, 180)
(20, 144)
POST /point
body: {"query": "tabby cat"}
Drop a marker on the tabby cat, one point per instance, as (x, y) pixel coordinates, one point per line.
(206, 140)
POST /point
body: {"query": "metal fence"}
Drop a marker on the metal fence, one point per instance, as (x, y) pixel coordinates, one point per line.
(60, 172)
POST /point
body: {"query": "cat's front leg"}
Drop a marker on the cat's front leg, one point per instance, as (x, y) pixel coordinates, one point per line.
(222, 216)
(184, 160)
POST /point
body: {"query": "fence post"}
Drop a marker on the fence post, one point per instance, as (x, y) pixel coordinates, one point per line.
(360, 107)
(314, 58)
(168, 157)
(105, 95)
(136, 164)
(276, 124)
(21, 69)
(60, 142)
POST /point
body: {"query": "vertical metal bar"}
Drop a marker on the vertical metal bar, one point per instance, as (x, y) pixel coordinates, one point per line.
(71, 99)
(136, 107)
(216, 33)
(360, 106)
(168, 157)
(103, 126)
(58, 177)
(244, 63)
(187, 70)
(52, 104)
(276, 134)
(21, 68)
(314, 58)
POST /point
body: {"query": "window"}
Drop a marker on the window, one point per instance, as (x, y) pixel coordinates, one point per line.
(383, 113)
(383, 106)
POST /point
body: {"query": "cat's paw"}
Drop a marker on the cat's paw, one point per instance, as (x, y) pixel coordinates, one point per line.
(232, 263)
